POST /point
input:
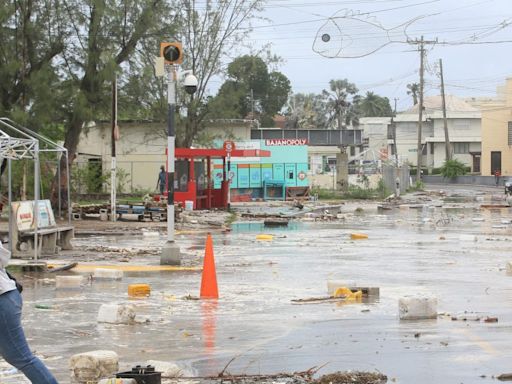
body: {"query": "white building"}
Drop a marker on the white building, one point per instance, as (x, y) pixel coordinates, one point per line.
(464, 129)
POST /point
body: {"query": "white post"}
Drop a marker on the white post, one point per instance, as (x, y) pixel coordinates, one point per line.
(229, 180)
(113, 165)
(36, 201)
(171, 140)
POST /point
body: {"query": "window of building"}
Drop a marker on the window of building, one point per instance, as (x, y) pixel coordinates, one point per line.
(510, 133)
(460, 148)
(352, 150)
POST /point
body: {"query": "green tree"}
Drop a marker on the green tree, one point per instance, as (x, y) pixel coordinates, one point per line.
(342, 103)
(307, 111)
(372, 105)
(250, 87)
(102, 37)
(30, 41)
(275, 97)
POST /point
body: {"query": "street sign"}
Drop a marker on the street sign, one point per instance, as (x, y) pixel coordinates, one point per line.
(229, 146)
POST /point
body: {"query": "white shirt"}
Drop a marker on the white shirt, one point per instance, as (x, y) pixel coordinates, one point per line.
(6, 284)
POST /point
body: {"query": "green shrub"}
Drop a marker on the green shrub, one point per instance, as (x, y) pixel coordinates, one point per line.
(418, 186)
(382, 190)
(453, 168)
(356, 192)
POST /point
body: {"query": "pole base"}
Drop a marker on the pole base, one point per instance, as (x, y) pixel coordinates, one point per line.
(171, 254)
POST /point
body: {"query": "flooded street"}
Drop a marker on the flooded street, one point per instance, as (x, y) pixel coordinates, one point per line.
(451, 249)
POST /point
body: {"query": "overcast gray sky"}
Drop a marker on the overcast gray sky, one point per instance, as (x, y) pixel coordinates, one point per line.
(470, 70)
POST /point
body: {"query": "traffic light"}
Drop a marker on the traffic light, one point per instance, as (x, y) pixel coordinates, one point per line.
(171, 52)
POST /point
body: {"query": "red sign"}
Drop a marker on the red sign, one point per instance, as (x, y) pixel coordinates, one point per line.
(273, 142)
(229, 146)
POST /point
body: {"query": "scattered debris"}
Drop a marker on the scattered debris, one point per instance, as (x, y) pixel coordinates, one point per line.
(467, 316)
(315, 300)
(66, 267)
(355, 377)
(277, 222)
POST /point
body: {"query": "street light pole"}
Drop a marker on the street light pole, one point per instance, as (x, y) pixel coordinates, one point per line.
(170, 251)
(172, 55)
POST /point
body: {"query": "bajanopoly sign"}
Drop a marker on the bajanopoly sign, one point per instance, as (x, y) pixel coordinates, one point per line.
(271, 142)
(24, 213)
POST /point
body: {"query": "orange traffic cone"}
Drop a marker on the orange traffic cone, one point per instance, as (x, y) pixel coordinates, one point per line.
(209, 288)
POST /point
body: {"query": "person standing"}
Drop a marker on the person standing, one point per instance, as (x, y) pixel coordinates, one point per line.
(497, 175)
(13, 344)
(161, 180)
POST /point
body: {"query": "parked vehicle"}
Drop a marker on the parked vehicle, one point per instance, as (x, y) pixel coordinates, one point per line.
(508, 187)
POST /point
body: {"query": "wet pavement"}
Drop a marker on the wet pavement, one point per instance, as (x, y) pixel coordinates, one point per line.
(457, 253)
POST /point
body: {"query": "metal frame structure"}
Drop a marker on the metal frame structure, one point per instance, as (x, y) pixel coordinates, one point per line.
(18, 142)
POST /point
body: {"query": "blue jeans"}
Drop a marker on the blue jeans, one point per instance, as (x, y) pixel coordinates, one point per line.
(13, 345)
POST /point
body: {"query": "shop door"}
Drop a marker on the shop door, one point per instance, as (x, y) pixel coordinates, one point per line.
(476, 163)
(495, 162)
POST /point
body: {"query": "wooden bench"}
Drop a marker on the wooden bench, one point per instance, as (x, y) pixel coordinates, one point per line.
(50, 237)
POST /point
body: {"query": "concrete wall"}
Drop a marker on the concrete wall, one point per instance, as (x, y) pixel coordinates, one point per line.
(475, 180)
(389, 175)
(328, 181)
(140, 151)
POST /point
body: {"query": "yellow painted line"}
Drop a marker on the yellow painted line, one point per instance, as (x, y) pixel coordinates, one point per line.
(485, 345)
(128, 268)
(191, 232)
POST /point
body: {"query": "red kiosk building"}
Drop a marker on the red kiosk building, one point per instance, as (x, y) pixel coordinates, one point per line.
(193, 178)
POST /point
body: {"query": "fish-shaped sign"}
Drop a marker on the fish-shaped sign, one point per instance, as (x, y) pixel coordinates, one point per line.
(351, 35)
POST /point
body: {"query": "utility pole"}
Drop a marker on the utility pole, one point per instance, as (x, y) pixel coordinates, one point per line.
(420, 108)
(113, 167)
(448, 146)
(421, 44)
(393, 125)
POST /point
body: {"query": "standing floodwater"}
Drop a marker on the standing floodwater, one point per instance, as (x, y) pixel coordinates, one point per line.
(458, 255)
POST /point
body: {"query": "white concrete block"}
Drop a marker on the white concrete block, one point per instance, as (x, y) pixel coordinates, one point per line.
(116, 314)
(465, 237)
(416, 308)
(168, 369)
(93, 366)
(107, 274)
(73, 281)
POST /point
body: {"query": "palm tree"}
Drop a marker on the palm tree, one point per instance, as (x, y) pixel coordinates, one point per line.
(373, 105)
(413, 90)
(338, 100)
